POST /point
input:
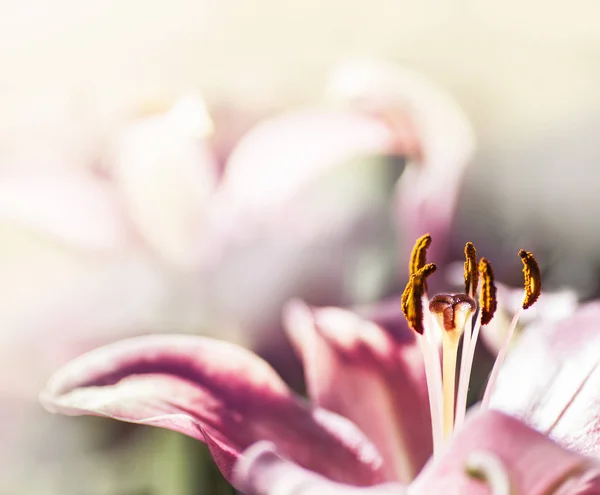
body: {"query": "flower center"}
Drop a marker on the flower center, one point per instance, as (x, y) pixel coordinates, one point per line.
(447, 317)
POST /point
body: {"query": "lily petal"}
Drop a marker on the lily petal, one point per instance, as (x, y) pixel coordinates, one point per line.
(262, 471)
(372, 375)
(510, 457)
(434, 132)
(279, 157)
(75, 209)
(308, 195)
(213, 391)
(552, 377)
(167, 173)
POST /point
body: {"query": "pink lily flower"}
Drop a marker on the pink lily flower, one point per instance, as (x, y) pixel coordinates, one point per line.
(369, 423)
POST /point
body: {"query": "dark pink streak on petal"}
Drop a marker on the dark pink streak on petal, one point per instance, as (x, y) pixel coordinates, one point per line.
(213, 391)
(551, 380)
(370, 374)
(533, 464)
(262, 471)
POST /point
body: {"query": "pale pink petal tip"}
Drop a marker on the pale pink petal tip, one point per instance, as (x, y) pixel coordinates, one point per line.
(443, 128)
(166, 174)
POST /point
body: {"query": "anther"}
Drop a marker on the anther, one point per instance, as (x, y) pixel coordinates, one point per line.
(418, 257)
(412, 297)
(533, 278)
(487, 298)
(469, 336)
(471, 275)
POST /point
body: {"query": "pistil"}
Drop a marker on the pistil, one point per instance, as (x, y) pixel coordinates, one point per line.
(453, 312)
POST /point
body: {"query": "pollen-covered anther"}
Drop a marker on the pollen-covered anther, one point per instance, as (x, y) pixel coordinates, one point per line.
(533, 278)
(412, 297)
(452, 311)
(471, 274)
(418, 257)
(487, 297)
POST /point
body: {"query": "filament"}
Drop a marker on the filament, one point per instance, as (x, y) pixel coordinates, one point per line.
(464, 377)
(489, 389)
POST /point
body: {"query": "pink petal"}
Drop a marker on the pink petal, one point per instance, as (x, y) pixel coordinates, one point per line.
(552, 378)
(213, 391)
(295, 219)
(279, 157)
(434, 134)
(516, 456)
(372, 375)
(79, 210)
(261, 471)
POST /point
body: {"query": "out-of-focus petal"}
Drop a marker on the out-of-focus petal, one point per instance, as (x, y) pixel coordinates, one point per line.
(511, 457)
(550, 307)
(75, 209)
(261, 471)
(551, 380)
(167, 174)
(306, 195)
(433, 132)
(53, 131)
(372, 375)
(216, 392)
(275, 160)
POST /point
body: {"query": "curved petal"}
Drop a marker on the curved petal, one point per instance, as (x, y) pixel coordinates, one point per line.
(76, 209)
(434, 133)
(262, 471)
(372, 375)
(552, 378)
(304, 196)
(496, 451)
(213, 391)
(166, 174)
(279, 157)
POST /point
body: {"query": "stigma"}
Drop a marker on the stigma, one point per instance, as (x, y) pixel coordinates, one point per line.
(450, 317)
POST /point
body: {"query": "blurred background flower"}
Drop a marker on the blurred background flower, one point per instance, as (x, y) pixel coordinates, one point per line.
(100, 100)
